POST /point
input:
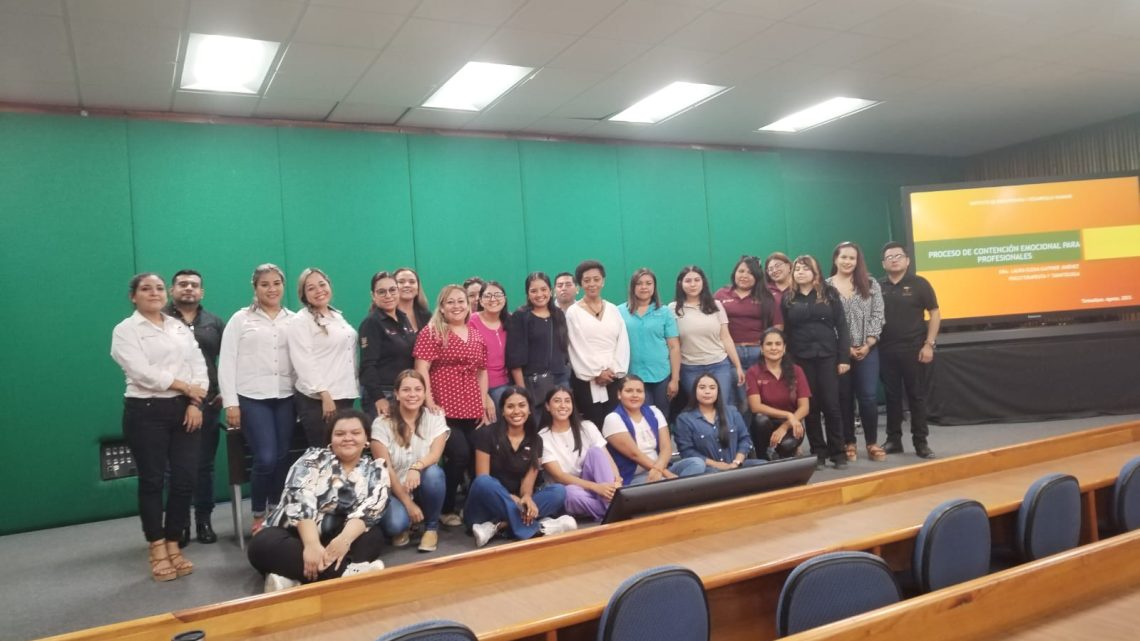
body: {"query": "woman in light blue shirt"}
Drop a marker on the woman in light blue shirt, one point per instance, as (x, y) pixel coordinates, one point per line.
(654, 349)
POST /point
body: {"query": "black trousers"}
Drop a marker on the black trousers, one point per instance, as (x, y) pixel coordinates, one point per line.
(901, 374)
(312, 417)
(458, 458)
(208, 450)
(158, 441)
(823, 380)
(584, 401)
(276, 550)
(761, 428)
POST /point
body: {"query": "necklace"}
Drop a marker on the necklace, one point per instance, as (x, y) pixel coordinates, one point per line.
(598, 312)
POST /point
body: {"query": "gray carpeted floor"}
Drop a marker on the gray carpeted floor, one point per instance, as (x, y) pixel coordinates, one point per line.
(81, 576)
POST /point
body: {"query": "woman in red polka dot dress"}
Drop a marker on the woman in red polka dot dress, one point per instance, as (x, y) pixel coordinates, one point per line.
(453, 360)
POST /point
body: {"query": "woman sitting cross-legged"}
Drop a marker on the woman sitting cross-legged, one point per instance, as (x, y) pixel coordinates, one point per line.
(713, 431)
(638, 439)
(575, 455)
(324, 524)
(507, 494)
(778, 395)
(411, 440)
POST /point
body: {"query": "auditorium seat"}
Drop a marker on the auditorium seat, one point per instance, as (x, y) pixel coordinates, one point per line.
(1126, 498)
(1049, 520)
(953, 545)
(666, 602)
(239, 463)
(435, 630)
(831, 587)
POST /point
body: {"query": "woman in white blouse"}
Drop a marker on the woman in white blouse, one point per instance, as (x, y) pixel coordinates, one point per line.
(166, 382)
(599, 345)
(411, 440)
(255, 375)
(575, 455)
(322, 347)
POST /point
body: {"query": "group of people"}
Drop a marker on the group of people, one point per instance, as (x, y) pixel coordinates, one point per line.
(534, 417)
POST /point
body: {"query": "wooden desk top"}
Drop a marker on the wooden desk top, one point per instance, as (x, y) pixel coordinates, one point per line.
(1109, 618)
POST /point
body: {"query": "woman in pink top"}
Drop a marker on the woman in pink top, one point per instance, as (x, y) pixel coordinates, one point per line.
(491, 325)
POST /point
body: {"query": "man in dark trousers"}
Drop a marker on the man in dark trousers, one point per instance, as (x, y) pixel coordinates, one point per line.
(186, 305)
(906, 347)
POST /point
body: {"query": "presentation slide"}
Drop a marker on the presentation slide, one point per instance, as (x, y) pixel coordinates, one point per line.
(1029, 249)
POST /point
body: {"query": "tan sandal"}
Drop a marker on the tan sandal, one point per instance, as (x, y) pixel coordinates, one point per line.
(181, 564)
(876, 453)
(851, 455)
(160, 568)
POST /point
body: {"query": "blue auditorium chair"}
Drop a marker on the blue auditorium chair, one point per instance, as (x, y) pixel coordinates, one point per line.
(666, 602)
(1049, 520)
(435, 630)
(1126, 498)
(831, 587)
(953, 545)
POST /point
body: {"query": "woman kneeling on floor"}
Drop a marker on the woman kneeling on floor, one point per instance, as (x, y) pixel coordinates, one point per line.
(325, 524)
(411, 440)
(575, 455)
(507, 494)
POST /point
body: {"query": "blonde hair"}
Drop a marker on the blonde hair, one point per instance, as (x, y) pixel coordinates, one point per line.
(438, 322)
(260, 271)
(817, 277)
(309, 271)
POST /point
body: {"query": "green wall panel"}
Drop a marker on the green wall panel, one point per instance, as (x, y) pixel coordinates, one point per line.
(664, 220)
(66, 223)
(345, 208)
(573, 211)
(858, 212)
(468, 212)
(745, 209)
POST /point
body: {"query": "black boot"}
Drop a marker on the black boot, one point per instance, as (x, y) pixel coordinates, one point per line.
(184, 540)
(206, 531)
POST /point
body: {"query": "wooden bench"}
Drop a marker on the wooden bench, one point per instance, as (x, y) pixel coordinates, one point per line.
(555, 588)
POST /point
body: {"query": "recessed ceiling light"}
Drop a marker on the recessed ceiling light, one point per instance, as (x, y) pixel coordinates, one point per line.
(226, 64)
(668, 102)
(477, 85)
(819, 114)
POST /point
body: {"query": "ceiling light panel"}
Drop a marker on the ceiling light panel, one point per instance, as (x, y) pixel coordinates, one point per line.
(819, 114)
(227, 64)
(477, 85)
(665, 103)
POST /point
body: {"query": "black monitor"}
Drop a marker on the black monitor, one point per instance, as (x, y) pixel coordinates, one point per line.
(662, 496)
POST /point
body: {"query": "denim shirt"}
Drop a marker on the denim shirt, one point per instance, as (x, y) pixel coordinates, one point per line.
(698, 437)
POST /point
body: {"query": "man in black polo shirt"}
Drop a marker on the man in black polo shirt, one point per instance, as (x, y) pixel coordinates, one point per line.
(906, 347)
(186, 306)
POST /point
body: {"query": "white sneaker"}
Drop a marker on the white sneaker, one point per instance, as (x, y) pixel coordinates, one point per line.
(361, 568)
(564, 523)
(484, 532)
(275, 582)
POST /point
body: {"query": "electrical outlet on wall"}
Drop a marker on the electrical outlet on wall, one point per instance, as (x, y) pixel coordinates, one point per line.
(115, 460)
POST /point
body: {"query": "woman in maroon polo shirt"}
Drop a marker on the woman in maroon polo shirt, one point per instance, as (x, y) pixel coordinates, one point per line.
(751, 309)
(778, 396)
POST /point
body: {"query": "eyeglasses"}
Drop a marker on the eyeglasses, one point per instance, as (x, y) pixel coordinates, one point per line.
(776, 266)
(494, 296)
(389, 291)
(894, 257)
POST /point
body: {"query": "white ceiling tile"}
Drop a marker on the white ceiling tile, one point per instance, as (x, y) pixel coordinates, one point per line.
(844, 48)
(397, 83)
(272, 20)
(842, 14)
(667, 64)
(214, 104)
(560, 16)
(898, 58)
(40, 7)
(525, 48)
(347, 27)
(770, 9)
(143, 13)
(400, 7)
(48, 69)
(286, 86)
(915, 18)
(366, 113)
(111, 53)
(422, 39)
(436, 118)
(782, 41)
(41, 93)
(717, 31)
(126, 97)
(313, 59)
(485, 12)
(299, 109)
(560, 126)
(645, 22)
(732, 69)
(598, 55)
(492, 120)
(28, 39)
(699, 4)
(546, 91)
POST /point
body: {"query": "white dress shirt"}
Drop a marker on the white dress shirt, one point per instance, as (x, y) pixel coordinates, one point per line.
(597, 344)
(323, 353)
(254, 360)
(154, 357)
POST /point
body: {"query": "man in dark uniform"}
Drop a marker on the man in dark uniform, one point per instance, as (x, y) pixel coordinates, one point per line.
(906, 347)
(186, 306)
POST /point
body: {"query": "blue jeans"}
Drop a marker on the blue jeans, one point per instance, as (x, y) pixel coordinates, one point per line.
(748, 462)
(267, 425)
(723, 372)
(861, 384)
(488, 500)
(428, 496)
(749, 355)
(656, 394)
(692, 466)
(497, 392)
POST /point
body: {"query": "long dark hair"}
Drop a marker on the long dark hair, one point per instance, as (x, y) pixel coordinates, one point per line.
(787, 363)
(547, 419)
(760, 293)
(860, 278)
(530, 427)
(708, 304)
(655, 298)
(721, 419)
(557, 316)
(401, 429)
